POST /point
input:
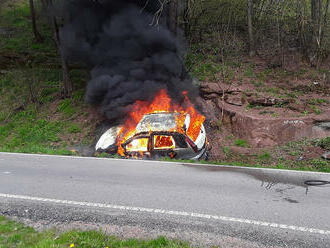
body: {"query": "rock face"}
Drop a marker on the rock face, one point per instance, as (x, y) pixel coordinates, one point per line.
(234, 100)
(260, 131)
(267, 101)
(214, 90)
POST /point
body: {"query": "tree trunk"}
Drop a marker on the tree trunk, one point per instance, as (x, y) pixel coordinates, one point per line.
(36, 33)
(67, 83)
(316, 9)
(325, 22)
(172, 21)
(252, 51)
(300, 25)
(185, 17)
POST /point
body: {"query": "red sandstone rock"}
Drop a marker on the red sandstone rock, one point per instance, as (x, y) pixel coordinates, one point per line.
(234, 100)
(260, 131)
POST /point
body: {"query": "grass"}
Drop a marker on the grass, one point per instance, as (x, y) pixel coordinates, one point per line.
(34, 118)
(249, 72)
(323, 143)
(20, 41)
(207, 66)
(36, 127)
(66, 107)
(13, 234)
(45, 126)
(317, 101)
(27, 133)
(316, 110)
(227, 151)
(240, 143)
(74, 128)
(265, 157)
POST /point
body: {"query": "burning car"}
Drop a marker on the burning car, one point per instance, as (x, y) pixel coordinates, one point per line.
(158, 135)
(158, 129)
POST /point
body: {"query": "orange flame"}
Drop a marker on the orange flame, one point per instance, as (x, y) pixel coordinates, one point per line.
(161, 103)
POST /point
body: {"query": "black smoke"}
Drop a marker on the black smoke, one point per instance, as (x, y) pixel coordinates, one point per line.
(130, 58)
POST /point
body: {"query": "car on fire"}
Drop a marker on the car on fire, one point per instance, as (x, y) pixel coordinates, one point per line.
(157, 135)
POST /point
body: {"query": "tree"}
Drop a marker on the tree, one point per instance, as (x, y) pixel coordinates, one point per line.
(172, 20)
(252, 51)
(67, 83)
(36, 33)
(316, 7)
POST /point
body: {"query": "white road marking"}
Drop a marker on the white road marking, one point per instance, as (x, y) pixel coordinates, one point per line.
(168, 212)
(164, 162)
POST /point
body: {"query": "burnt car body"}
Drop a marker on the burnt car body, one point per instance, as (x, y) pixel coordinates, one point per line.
(158, 135)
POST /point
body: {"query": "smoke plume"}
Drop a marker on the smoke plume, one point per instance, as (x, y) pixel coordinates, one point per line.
(130, 59)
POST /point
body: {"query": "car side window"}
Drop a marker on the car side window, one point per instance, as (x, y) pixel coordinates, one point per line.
(180, 140)
(138, 144)
(163, 142)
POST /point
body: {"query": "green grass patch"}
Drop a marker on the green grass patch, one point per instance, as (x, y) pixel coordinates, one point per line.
(317, 101)
(207, 67)
(249, 72)
(241, 143)
(227, 151)
(78, 95)
(29, 134)
(323, 143)
(316, 110)
(74, 128)
(31, 127)
(17, 235)
(265, 157)
(258, 83)
(67, 107)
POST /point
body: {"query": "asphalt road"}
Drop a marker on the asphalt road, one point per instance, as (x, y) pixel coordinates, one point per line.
(206, 205)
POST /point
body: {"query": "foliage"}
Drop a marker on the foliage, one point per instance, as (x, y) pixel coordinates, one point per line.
(279, 27)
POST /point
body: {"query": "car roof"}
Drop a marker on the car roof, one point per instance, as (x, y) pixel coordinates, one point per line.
(162, 121)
